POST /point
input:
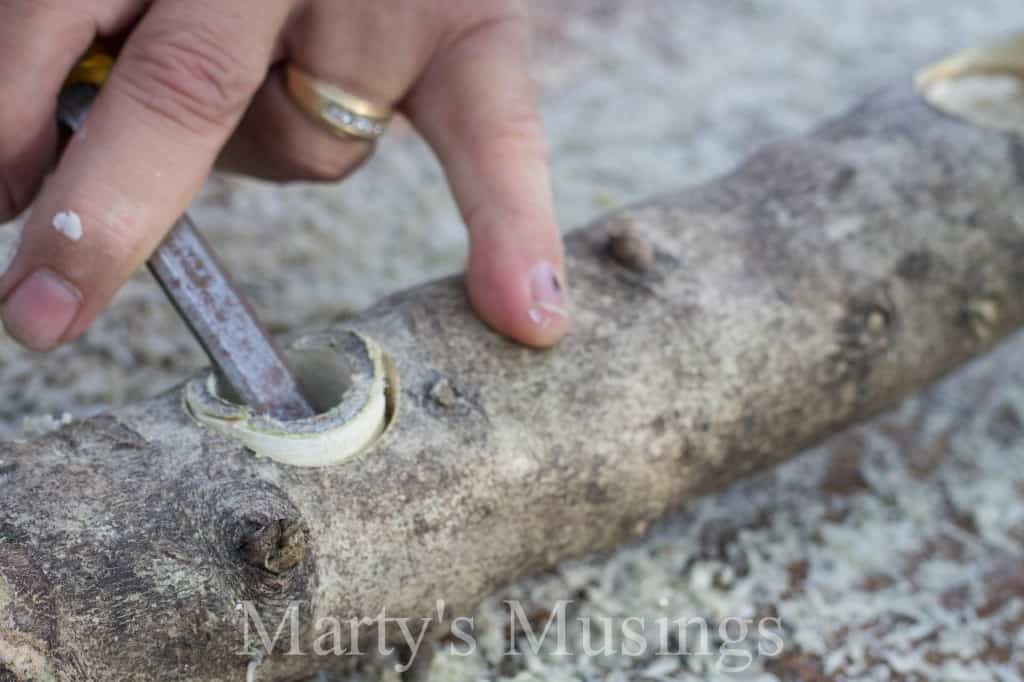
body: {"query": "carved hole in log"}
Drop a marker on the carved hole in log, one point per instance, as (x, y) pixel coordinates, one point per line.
(349, 379)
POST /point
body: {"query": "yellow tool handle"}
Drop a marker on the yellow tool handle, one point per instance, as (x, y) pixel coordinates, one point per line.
(91, 69)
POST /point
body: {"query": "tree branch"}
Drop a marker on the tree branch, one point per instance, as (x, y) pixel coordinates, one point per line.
(717, 332)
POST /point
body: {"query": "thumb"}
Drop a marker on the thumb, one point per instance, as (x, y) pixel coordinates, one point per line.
(176, 93)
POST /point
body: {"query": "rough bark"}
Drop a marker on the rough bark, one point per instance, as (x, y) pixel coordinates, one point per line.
(717, 331)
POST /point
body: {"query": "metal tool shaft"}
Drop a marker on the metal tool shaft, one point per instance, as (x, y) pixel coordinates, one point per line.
(224, 324)
(218, 315)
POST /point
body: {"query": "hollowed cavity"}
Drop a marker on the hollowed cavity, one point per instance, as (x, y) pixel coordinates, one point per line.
(350, 382)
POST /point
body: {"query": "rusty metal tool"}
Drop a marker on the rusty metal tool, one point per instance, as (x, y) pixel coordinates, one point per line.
(202, 291)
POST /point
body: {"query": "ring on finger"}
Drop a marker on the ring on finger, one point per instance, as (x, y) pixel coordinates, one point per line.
(340, 112)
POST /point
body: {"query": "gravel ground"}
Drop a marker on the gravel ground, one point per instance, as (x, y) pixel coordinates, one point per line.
(893, 552)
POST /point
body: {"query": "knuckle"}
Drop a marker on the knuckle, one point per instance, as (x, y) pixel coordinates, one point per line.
(479, 216)
(520, 127)
(484, 216)
(518, 134)
(190, 77)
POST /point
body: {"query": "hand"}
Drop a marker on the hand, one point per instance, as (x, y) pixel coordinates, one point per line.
(201, 82)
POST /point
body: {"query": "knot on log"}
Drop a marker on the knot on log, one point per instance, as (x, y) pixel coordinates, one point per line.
(628, 247)
(983, 316)
(866, 326)
(443, 393)
(863, 333)
(276, 547)
(258, 525)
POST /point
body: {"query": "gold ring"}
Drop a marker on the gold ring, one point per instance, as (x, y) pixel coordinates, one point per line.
(340, 112)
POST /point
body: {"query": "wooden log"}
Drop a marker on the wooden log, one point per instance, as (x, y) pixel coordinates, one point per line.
(717, 331)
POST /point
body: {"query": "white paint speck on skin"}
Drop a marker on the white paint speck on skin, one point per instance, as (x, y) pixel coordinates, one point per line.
(68, 224)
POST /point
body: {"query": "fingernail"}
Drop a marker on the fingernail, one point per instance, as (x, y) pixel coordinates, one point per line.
(548, 295)
(41, 309)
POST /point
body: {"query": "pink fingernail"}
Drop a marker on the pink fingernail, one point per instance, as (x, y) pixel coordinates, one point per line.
(548, 295)
(41, 309)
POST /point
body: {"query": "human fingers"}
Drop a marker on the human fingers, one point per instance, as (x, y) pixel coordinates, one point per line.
(475, 104)
(181, 83)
